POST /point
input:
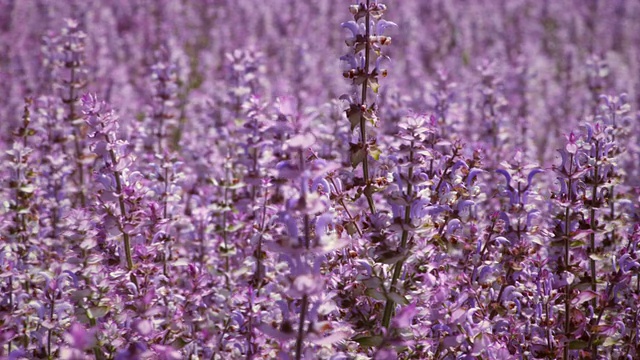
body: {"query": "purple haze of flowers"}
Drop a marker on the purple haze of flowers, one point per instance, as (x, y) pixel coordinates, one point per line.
(474, 198)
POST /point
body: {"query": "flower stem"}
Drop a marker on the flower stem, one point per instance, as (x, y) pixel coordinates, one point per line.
(50, 332)
(397, 270)
(259, 274)
(307, 243)
(227, 183)
(300, 338)
(501, 292)
(363, 121)
(592, 242)
(71, 100)
(123, 211)
(10, 302)
(567, 240)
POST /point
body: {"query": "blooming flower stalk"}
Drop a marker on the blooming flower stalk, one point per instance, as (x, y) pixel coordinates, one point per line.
(367, 38)
(113, 173)
(69, 58)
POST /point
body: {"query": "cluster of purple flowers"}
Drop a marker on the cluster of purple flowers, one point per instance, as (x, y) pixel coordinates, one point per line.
(250, 180)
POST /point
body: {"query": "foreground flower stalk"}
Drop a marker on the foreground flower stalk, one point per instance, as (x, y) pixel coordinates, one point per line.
(365, 41)
(414, 133)
(104, 126)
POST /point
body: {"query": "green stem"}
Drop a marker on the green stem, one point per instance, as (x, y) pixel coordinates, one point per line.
(567, 288)
(201, 232)
(160, 116)
(250, 345)
(10, 302)
(50, 332)
(501, 292)
(397, 271)
(548, 329)
(123, 211)
(76, 135)
(165, 196)
(167, 247)
(227, 183)
(259, 274)
(300, 338)
(307, 242)
(632, 335)
(592, 243)
(363, 122)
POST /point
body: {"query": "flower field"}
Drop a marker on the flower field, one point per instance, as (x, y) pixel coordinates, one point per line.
(331, 179)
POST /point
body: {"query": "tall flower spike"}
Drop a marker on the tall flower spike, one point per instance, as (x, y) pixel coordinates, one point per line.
(365, 43)
(114, 176)
(69, 67)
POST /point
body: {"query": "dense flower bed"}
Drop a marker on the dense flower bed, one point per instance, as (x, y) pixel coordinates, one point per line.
(281, 179)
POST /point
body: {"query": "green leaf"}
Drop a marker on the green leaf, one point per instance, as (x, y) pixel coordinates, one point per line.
(466, 58)
(375, 152)
(28, 188)
(537, 240)
(98, 353)
(179, 343)
(390, 257)
(610, 341)
(359, 80)
(236, 186)
(353, 114)
(375, 294)
(577, 344)
(369, 341)
(181, 262)
(357, 157)
(98, 311)
(372, 283)
(351, 228)
(235, 227)
(397, 298)
(373, 84)
(226, 251)
(578, 243)
(79, 295)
